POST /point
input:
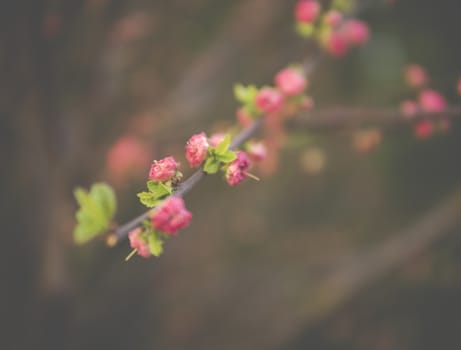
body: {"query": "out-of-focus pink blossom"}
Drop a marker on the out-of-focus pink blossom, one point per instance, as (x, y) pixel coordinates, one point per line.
(171, 216)
(306, 11)
(432, 101)
(335, 43)
(139, 243)
(243, 117)
(424, 129)
(126, 158)
(257, 151)
(415, 75)
(290, 81)
(216, 139)
(163, 170)
(409, 108)
(356, 32)
(196, 149)
(269, 100)
(333, 18)
(238, 169)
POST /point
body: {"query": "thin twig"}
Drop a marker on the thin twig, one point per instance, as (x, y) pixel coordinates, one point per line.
(344, 117)
(309, 64)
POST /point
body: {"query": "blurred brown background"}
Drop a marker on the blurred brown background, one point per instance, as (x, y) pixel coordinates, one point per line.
(365, 254)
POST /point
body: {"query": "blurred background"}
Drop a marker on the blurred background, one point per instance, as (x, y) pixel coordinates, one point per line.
(340, 248)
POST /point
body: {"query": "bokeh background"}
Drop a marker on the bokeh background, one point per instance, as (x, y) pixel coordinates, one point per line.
(336, 249)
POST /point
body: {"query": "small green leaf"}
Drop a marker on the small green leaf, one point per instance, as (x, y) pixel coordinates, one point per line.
(223, 146)
(158, 189)
(148, 199)
(341, 5)
(245, 94)
(211, 165)
(104, 196)
(96, 211)
(155, 244)
(305, 29)
(227, 157)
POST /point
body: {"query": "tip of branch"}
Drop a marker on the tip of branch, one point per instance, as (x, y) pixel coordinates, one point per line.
(111, 240)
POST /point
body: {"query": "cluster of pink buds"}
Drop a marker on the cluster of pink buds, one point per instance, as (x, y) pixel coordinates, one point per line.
(427, 101)
(336, 34)
(171, 216)
(341, 37)
(237, 170)
(139, 242)
(163, 170)
(196, 149)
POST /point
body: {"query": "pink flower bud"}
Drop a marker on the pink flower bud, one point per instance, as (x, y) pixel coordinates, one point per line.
(126, 158)
(306, 11)
(356, 32)
(216, 139)
(290, 81)
(333, 18)
(432, 101)
(409, 108)
(269, 100)
(163, 170)
(257, 151)
(196, 149)
(139, 243)
(237, 170)
(424, 129)
(171, 216)
(243, 117)
(307, 104)
(415, 76)
(336, 44)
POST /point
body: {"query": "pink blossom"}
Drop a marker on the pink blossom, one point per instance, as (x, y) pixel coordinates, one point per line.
(306, 11)
(171, 216)
(409, 108)
(336, 44)
(307, 104)
(216, 139)
(290, 81)
(415, 75)
(196, 149)
(424, 129)
(163, 170)
(269, 100)
(333, 18)
(139, 243)
(257, 151)
(356, 32)
(432, 101)
(243, 117)
(126, 157)
(237, 170)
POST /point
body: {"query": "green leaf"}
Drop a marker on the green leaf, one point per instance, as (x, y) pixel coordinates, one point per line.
(96, 211)
(158, 189)
(155, 244)
(245, 94)
(223, 146)
(305, 29)
(341, 5)
(226, 157)
(104, 195)
(148, 199)
(211, 165)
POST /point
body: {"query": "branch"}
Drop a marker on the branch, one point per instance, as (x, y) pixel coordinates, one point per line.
(309, 65)
(343, 118)
(185, 187)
